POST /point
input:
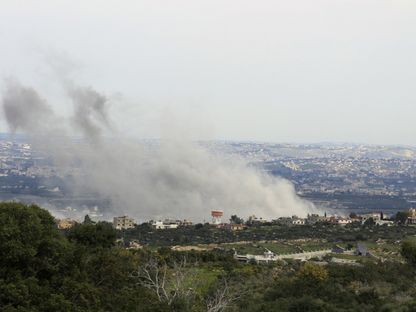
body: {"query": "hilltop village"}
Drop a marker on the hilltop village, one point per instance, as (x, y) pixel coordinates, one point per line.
(236, 223)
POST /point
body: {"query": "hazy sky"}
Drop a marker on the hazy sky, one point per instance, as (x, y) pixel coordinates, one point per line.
(298, 70)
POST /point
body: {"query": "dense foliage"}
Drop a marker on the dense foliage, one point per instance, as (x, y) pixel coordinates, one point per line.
(42, 270)
(83, 269)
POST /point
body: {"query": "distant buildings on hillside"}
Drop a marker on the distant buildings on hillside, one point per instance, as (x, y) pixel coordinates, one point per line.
(375, 218)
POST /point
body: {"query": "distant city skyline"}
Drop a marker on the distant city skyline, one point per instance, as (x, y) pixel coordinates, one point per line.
(276, 71)
(5, 134)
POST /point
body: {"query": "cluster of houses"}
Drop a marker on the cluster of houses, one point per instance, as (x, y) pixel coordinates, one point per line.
(124, 223)
(377, 217)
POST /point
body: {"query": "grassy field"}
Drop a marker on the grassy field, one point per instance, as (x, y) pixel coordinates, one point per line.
(260, 248)
(203, 277)
(383, 249)
(280, 248)
(314, 245)
(286, 247)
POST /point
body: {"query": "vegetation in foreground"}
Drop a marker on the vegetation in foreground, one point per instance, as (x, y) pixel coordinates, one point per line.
(43, 269)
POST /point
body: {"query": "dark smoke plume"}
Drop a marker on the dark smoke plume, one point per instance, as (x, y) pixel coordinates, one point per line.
(24, 109)
(90, 113)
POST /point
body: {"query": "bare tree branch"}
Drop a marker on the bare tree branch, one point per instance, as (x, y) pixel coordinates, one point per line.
(167, 283)
(221, 299)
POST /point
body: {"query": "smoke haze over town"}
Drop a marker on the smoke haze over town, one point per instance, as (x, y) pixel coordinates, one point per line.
(177, 178)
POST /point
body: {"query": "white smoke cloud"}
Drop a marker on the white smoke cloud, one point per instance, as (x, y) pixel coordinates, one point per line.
(177, 178)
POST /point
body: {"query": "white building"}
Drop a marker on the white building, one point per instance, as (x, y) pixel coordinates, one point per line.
(167, 224)
(384, 222)
(343, 221)
(253, 219)
(298, 221)
(375, 216)
(123, 223)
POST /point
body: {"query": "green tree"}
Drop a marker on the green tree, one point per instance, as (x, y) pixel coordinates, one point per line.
(313, 273)
(306, 304)
(236, 220)
(34, 259)
(101, 234)
(401, 217)
(408, 251)
(370, 222)
(310, 278)
(87, 220)
(29, 240)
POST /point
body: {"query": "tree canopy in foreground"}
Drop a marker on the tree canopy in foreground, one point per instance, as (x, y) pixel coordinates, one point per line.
(83, 269)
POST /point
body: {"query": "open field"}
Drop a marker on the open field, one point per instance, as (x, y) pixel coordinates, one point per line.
(381, 249)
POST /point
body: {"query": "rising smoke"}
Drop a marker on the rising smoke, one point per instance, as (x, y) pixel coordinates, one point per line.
(90, 112)
(176, 179)
(25, 109)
